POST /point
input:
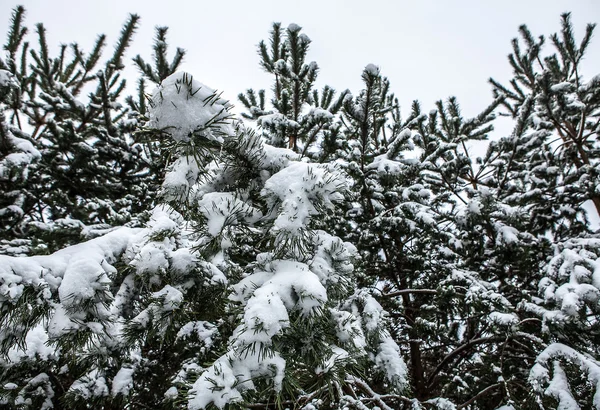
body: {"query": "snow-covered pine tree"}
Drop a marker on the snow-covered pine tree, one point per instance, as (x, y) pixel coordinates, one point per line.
(414, 181)
(17, 157)
(417, 184)
(229, 296)
(301, 115)
(549, 169)
(489, 264)
(551, 96)
(90, 173)
(155, 72)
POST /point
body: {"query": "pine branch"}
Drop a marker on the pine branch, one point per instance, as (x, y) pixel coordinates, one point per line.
(116, 62)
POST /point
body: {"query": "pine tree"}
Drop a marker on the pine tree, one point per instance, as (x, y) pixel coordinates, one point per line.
(90, 172)
(228, 296)
(18, 157)
(550, 169)
(301, 116)
(551, 96)
(155, 72)
(297, 266)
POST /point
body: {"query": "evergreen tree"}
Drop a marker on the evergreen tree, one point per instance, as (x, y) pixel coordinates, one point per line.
(90, 175)
(155, 154)
(228, 296)
(18, 157)
(295, 268)
(301, 116)
(550, 95)
(549, 169)
(411, 224)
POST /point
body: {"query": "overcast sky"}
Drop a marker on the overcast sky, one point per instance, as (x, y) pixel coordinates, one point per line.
(428, 49)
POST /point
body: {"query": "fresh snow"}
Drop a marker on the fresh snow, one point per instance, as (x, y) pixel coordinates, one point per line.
(182, 106)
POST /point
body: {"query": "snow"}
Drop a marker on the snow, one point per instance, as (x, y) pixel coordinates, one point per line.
(283, 285)
(180, 178)
(122, 382)
(442, 403)
(348, 328)
(7, 79)
(221, 208)
(504, 319)
(297, 188)
(293, 27)
(182, 106)
(390, 361)
(277, 121)
(319, 114)
(372, 313)
(559, 387)
(151, 258)
(36, 346)
(277, 158)
(170, 298)
(562, 87)
(506, 234)
(74, 271)
(265, 316)
(205, 331)
(90, 385)
(224, 382)
(372, 69)
(337, 355)
(171, 393)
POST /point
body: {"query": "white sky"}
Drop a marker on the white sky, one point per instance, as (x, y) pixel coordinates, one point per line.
(428, 49)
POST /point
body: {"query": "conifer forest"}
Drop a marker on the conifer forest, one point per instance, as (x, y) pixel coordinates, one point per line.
(318, 251)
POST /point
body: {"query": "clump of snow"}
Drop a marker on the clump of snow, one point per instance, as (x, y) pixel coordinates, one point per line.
(506, 234)
(205, 331)
(503, 319)
(74, 271)
(7, 79)
(182, 106)
(36, 346)
(277, 158)
(180, 178)
(93, 384)
(297, 190)
(337, 355)
(122, 382)
(170, 298)
(442, 403)
(278, 122)
(286, 284)
(224, 382)
(562, 87)
(558, 386)
(317, 114)
(389, 361)
(293, 27)
(372, 69)
(221, 208)
(171, 393)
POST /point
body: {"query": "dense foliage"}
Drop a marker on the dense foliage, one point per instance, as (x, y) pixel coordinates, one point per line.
(336, 256)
